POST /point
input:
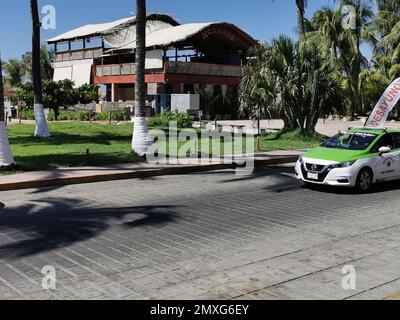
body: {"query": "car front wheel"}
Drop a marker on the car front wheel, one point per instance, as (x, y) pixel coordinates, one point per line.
(364, 181)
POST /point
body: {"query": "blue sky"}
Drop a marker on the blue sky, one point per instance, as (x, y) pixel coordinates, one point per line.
(264, 19)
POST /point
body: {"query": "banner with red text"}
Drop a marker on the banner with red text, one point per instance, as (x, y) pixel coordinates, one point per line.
(385, 105)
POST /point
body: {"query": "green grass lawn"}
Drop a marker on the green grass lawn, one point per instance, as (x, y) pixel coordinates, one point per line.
(289, 141)
(107, 144)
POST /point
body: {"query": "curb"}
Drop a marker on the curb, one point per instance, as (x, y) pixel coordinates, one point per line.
(393, 298)
(55, 182)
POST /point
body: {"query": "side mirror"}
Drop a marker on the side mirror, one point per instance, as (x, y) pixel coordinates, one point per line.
(384, 150)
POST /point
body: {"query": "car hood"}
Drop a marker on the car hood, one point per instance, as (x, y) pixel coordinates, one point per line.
(336, 155)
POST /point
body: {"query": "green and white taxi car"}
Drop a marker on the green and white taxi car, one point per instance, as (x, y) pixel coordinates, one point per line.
(355, 158)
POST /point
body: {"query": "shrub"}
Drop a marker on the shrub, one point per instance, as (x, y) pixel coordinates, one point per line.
(165, 118)
(27, 114)
(103, 116)
(65, 116)
(81, 116)
(119, 115)
(50, 116)
(69, 116)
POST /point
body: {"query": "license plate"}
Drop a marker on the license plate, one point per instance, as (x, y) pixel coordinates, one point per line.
(312, 176)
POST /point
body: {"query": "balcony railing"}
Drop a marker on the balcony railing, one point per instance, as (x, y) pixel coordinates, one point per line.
(204, 69)
(173, 67)
(92, 53)
(115, 69)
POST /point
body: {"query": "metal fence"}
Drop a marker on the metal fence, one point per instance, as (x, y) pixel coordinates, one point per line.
(112, 106)
(83, 107)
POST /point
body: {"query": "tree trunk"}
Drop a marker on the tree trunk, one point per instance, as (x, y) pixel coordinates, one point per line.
(300, 18)
(41, 130)
(141, 140)
(6, 158)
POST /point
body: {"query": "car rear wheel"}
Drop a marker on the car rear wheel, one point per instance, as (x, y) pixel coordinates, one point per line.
(364, 180)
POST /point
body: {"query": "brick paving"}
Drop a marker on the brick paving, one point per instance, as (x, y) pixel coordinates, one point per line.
(202, 236)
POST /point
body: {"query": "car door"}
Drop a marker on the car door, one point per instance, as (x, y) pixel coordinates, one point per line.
(396, 152)
(386, 166)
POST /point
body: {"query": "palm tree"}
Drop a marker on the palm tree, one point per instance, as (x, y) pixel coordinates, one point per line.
(352, 60)
(301, 9)
(46, 58)
(345, 45)
(6, 158)
(295, 80)
(387, 16)
(140, 141)
(14, 72)
(41, 130)
(327, 23)
(208, 99)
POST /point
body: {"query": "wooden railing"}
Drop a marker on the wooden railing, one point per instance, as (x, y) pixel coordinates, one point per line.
(91, 53)
(206, 69)
(115, 69)
(172, 67)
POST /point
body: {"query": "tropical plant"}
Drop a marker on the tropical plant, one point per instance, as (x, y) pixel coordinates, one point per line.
(163, 120)
(14, 72)
(301, 8)
(46, 69)
(6, 157)
(301, 23)
(41, 128)
(86, 93)
(141, 140)
(326, 24)
(345, 47)
(208, 100)
(56, 95)
(230, 105)
(296, 80)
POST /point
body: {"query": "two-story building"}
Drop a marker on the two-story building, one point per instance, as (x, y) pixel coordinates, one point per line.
(180, 59)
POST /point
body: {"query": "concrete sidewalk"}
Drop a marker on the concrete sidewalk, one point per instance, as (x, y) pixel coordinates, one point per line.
(68, 176)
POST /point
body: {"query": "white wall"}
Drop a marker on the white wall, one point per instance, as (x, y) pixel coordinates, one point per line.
(185, 102)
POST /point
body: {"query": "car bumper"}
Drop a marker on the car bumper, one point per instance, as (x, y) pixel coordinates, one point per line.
(341, 177)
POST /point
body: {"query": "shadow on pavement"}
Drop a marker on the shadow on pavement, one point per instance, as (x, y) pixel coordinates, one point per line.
(377, 188)
(57, 223)
(265, 172)
(285, 176)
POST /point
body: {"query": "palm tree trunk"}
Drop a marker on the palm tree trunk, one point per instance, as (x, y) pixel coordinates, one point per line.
(141, 141)
(6, 158)
(300, 17)
(41, 130)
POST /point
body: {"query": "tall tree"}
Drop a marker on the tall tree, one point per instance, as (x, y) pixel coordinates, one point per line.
(345, 45)
(14, 72)
(46, 58)
(327, 23)
(301, 10)
(6, 158)
(141, 140)
(41, 130)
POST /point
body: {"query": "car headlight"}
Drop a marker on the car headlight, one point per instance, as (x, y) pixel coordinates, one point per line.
(342, 165)
(301, 159)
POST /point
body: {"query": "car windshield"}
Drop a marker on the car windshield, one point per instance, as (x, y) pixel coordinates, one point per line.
(350, 141)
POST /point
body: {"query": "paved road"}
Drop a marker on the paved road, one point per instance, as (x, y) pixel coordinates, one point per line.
(204, 236)
(328, 127)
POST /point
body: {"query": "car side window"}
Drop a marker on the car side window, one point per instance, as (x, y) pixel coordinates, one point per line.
(396, 140)
(385, 141)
